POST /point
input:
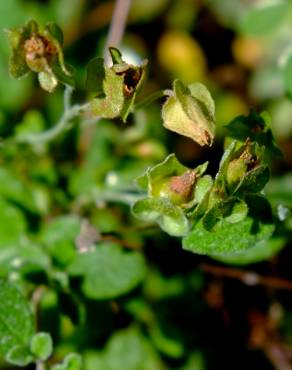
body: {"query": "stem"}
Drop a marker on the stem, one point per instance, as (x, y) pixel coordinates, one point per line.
(68, 97)
(117, 26)
(62, 125)
(151, 98)
(250, 278)
(115, 196)
(40, 365)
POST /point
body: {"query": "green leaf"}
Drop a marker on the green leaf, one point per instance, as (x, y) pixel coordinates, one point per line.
(261, 251)
(19, 356)
(16, 320)
(73, 361)
(59, 238)
(41, 346)
(255, 180)
(169, 217)
(232, 210)
(264, 17)
(286, 70)
(109, 271)
(228, 237)
(126, 349)
(279, 190)
(12, 224)
(257, 128)
(190, 112)
(64, 74)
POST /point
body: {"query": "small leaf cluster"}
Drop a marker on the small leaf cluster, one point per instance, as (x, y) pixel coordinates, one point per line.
(40, 52)
(220, 216)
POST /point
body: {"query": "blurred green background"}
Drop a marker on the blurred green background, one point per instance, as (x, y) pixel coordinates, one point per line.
(184, 315)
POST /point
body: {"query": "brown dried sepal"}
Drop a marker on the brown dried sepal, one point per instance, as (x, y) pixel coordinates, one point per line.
(39, 52)
(132, 77)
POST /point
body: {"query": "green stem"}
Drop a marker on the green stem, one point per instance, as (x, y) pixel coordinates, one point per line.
(70, 112)
(151, 98)
(115, 196)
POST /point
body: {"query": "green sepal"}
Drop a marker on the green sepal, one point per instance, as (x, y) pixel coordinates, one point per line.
(167, 168)
(116, 86)
(169, 217)
(255, 180)
(199, 205)
(170, 179)
(116, 55)
(109, 103)
(95, 75)
(190, 112)
(17, 37)
(55, 32)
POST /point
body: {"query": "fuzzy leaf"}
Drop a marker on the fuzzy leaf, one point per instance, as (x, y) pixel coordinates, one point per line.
(109, 271)
(109, 103)
(261, 251)
(41, 346)
(19, 356)
(228, 237)
(232, 210)
(16, 320)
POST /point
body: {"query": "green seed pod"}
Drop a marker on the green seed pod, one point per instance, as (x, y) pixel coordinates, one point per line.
(179, 189)
(235, 171)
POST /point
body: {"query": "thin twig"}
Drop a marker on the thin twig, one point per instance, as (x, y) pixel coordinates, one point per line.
(248, 277)
(68, 97)
(62, 125)
(149, 99)
(115, 196)
(40, 365)
(117, 26)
